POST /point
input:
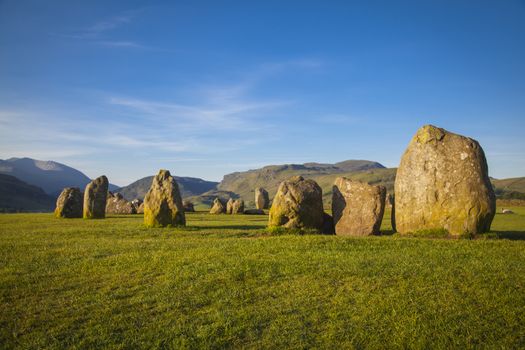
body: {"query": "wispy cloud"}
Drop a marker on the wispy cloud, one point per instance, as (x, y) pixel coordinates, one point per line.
(121, 44)
(97, 33)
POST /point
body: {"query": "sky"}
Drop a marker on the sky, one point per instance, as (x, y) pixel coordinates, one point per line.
(206, 88)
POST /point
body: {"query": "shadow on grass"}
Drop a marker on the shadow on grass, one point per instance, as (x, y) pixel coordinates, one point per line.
(512, 235)
(228, 227)
(387, 232)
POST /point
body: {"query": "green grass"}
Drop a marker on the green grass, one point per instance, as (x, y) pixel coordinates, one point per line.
(223, 282)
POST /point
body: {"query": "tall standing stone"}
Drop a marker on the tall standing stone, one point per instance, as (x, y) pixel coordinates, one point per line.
(357, 207)
(443, 183)
(163, 203)
(69, 203)
(95, 197)
(218, 207)
(298, 204)
(229, 206)
(262, 200)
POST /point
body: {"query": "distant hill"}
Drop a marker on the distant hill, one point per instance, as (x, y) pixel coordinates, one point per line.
(189, 186)
(50, 176)
(16, 195)
(269, 177)
(513, 188)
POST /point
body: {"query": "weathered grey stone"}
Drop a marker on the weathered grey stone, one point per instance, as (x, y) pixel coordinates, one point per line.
(442, 183)
(262, 200)
(163, 204)
(238, 206)
(188, 206)
(69, 203)
(116, 204)
(229, 206)
(357, 207)
(297, 204)
(95, 197)
(218, 207)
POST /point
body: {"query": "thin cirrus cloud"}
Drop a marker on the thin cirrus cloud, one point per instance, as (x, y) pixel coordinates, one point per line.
(98, 32)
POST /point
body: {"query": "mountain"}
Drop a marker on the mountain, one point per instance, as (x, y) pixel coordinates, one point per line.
(51, 176)
(269, 177)
(16, 195)
(189, 186)
(513, 188)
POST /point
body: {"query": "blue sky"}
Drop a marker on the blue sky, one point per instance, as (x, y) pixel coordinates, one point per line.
(205, 88)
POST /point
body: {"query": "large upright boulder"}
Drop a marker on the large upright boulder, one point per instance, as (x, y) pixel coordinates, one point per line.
(298, 204)
(218, 207)
(262, 200)
(69, 203)
(116, 204)
(163, 203)
(229, 206)
(95, 197)
(357, 207)
(238, 206)
(443, 183)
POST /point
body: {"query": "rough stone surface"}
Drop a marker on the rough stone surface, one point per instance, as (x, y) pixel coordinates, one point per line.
(357, 207)
(297, 204)
(140, 209)
(163, 204)
(262, 200)
(69, 203)
(442, 183)
(188, 206)
(218, 207)
(116, 204)
(229, 206)
(137, 203)
(238, 206)
(254, 212)
(95, 198)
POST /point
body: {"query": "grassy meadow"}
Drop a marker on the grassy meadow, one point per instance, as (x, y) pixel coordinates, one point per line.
(224, 282)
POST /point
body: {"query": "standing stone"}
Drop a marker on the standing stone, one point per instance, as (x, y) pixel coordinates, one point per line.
(188, 206)
(69, 203)
(238, 206)
(262, 200)
(443, 183)
(218, 207)
(140, 209)
(163, 204)
(137, 203)
(357, 207)
(229, 206)
(95, 197)
(116, 204)
(298, 204)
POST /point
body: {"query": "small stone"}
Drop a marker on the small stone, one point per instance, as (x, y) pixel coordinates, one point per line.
(218, 207)
(298, 204)
(69, 203)
(262, 200)
(238, 206)
(357, 207)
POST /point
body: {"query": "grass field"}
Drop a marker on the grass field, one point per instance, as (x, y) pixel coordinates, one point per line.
(223, 282)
